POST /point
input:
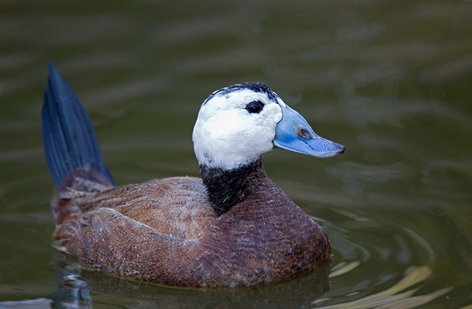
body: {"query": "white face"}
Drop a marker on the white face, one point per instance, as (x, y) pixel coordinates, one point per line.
(227, 135)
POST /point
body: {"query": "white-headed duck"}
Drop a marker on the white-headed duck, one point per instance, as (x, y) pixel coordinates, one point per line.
(232, 227)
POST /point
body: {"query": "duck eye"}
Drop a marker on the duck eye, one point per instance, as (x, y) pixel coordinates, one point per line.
(254, 107)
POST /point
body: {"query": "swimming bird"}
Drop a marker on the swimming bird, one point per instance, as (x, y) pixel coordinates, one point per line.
(231, 227)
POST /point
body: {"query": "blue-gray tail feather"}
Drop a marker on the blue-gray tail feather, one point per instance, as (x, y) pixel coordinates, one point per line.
(69, 139)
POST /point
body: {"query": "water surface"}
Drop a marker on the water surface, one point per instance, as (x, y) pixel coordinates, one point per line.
(391, 80)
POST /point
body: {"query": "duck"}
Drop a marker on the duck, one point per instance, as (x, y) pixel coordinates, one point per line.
(230, 227)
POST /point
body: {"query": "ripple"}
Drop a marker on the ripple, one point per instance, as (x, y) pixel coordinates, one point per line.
(378, 263)
(395, 296)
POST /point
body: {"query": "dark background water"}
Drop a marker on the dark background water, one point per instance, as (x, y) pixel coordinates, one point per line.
(391, 80)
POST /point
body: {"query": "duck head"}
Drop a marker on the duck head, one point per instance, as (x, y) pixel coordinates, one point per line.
(239, 123)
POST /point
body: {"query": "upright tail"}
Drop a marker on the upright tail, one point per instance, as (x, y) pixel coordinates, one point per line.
(69, 139)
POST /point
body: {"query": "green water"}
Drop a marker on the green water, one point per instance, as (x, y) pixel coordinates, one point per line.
(391, 80)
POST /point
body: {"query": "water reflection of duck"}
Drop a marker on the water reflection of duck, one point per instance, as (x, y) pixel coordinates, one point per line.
(232, 227)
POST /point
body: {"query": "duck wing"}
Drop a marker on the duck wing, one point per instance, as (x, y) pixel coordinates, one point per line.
(176, 206)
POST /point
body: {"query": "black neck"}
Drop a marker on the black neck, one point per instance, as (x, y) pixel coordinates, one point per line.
(227, 187)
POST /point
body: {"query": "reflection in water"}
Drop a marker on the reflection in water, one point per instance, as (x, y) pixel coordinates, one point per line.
(364, 251)
(74, 291)
(391, 297)
(343, 268)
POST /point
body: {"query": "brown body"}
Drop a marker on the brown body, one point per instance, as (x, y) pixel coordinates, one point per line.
(165, 231)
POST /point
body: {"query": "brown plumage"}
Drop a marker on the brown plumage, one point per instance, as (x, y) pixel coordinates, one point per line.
(165, 231)
(233, 227)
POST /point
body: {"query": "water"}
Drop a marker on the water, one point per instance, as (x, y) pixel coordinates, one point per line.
(390, 80)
